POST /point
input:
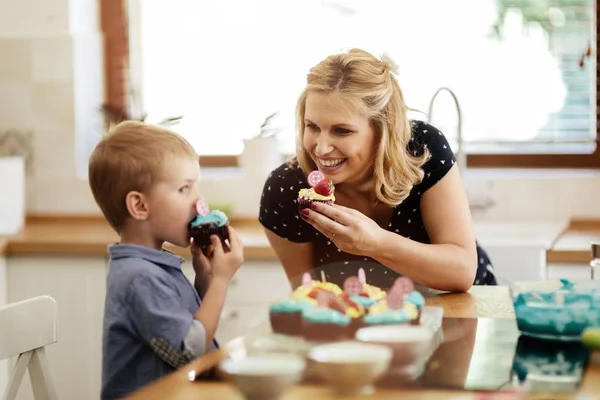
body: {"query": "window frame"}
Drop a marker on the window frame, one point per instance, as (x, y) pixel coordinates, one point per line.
(116, 53)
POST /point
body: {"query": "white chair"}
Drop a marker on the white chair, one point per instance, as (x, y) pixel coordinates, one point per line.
(25, 328)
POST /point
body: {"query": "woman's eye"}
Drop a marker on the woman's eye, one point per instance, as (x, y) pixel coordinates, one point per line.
(184, 189)
(312, 127)
(343, 131)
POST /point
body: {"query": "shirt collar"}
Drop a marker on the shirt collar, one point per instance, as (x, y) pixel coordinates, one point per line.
(162, 257)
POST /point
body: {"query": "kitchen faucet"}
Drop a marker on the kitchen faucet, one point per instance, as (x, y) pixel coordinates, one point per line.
(460, 154)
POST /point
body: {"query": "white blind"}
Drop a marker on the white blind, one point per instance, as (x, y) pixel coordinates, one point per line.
(513, 64)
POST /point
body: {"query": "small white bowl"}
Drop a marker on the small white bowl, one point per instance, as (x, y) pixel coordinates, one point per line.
(263, 376)
(351, 368)
(411, 344)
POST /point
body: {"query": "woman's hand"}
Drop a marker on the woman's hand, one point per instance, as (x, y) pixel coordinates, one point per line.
(350, 230)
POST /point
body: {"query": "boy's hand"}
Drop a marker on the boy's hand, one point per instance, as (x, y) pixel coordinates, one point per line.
(202, 268)
(217, 261)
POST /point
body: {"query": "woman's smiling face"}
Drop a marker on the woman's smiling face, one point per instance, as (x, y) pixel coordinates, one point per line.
(340, 141)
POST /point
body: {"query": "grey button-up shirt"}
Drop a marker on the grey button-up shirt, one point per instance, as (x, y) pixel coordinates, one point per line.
(149, 327)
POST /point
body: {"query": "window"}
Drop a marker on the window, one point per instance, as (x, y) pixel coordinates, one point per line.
(522, 70)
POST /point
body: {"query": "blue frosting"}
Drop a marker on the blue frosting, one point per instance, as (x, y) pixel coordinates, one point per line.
(366, 302)
(387, 317)
(213, 217)
(290, 306)
(415, 298)
(326, 316)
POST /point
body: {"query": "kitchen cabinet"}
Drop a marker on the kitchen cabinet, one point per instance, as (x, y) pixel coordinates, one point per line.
(516, 249)
(3, 363)
(78, 284)
(255, 285)
(569, 271)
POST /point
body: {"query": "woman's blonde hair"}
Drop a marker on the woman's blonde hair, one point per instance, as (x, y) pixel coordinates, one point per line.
(369, 84)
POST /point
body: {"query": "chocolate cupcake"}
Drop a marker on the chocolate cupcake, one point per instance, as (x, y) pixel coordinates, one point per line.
(208, 223)
(286, 316)
(321, 191)
(325, 325)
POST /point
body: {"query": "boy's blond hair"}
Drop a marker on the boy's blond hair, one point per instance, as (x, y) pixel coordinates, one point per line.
(131, 157)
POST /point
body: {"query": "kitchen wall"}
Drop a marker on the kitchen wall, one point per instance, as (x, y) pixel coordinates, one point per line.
(51, 83)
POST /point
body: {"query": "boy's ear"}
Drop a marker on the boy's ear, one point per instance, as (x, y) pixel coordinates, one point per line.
(137, 206)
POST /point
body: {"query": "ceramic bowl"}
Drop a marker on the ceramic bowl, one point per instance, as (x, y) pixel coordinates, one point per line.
(350, 367)
(411, 344)
(556, 310)
(263, 376)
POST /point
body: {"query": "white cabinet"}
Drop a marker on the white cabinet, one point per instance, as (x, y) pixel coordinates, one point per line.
(514, 263)
(78, 284)
(254, 286)
(517, 249)
(569, 271)
(3, 300)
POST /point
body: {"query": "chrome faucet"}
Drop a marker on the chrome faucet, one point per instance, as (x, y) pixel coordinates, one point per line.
(460, 154)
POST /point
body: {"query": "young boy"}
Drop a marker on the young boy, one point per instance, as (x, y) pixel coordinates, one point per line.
(144, 180)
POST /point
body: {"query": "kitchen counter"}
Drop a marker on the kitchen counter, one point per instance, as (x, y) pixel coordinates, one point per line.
(574, 245)
(91, 235)
(515, 233)
(3, 245)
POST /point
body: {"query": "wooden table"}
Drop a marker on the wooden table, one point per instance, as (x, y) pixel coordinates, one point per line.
(480, 301)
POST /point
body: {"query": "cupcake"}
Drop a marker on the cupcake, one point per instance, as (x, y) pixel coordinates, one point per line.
(392, 310)
(354, 310)
(286, 316)
(328, 321)
(411, 296)
(321, 191)
(387, 316)
(208, 223)
(323, 324)
(361, 292)
(310, 289)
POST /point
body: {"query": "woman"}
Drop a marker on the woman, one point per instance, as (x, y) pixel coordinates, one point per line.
(400, 203)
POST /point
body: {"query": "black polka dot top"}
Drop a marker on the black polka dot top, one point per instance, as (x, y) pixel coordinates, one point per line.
(279, 214)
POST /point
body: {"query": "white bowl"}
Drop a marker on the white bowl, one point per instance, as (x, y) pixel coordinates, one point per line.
(263, 376)
(350, 367)
(411, 344)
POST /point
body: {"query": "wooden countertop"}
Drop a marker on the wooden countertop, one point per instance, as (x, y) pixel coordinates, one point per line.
(574, 244)
(90, 236)
(480, 301)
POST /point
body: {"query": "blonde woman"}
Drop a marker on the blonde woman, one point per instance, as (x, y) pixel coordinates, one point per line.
(400, 206)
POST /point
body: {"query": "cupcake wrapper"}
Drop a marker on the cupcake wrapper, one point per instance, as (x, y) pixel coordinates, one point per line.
(202, 233)
(305, 203)
(286, 323)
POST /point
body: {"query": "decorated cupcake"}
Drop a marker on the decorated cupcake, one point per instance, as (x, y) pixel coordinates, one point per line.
(392, 310)
(361, 292)
(286, 316)
(321, 191)
(411, 296)
(354, 310)
(326, 322)
(208, 223)
(310, 289)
